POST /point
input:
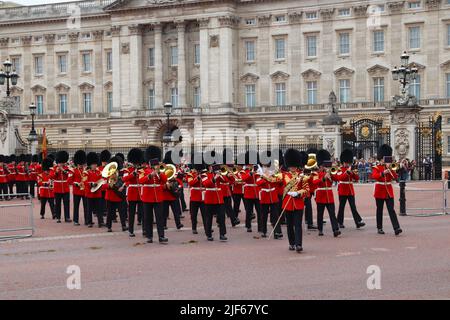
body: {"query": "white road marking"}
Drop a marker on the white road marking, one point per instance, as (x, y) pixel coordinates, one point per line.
(348, 254)
(410, 248)
(380, 249)
(300, 257)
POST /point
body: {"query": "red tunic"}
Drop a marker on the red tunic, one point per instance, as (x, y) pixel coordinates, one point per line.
(383, 183)
(224, 184)
(213, 193)
(251, 190)
(268, 192)
(3, 174)
(152, 186)
(92, 177)
(45, 189)
(324, 190)
(61, 179)
(111, 195)
(195, 186)
(238, 185)
(131, 180)
(77, 182)
(22, 175)
(295, 203)
(346, 179)
(12, 172)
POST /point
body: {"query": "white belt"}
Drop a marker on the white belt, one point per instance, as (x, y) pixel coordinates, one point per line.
(250, 185)
(383, 183)
(136, 185)
(150, 185)
(45, 188)
(323, 189)
(3, 175)
(268, 190)
(225, 184)
(198, 188)
(60, 181)
(22, 173)
(345, 182)
(212, 189)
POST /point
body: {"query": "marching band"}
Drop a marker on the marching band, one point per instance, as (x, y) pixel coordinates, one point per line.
(148, 185)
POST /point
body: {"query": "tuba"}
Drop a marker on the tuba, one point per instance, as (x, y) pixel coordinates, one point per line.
(111, 174)
(172, 184)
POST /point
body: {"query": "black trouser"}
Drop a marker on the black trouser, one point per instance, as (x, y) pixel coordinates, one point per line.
(4, 190)
(94, 208)
(182, 200)
(51, 204)
(219, 211)
(427, 173)
(65, 199)
(249, 204)
(194, 206)
(331, 212)
(103, 204)
(351, 201)
(22, 187)
(11, 186)
(112, 208)
(391, 211)
(280, 209)
(308, 211)
(32, 185)
(176, 210)
(149, 208)
(294, 227)
(273, 209)
(134, 206)
(76, 208)
(228, 207)
(237, 198)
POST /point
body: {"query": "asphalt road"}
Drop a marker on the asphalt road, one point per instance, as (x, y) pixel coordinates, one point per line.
(415, 265)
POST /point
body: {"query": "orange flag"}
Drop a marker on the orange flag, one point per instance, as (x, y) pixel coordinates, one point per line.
(44, 145)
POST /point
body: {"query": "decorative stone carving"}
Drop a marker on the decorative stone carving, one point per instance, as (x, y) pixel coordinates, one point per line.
(402, 137)
(445, 65)
(125, 47)
(26, 40)
(16, 90)
(115, 31)
(134, 29)
(343, 72)
(433, 4)
(214, 41)
(377, 70)
(203, 23)
(49, 38)
(148, 83)
(85, 86)
(360, 11)
(181, 25)
(73, 36)
(108, 86)
(61, 87)
(327, 14)
(406, 100)
(264, 21)
(4, 42)
(405, 118)
(38, 89)
(311, 74)
(195, 81)
(249, 78)
(228, 21)
(3, 127)
(279, 76)
(295, 17)
(330, 145)
(396, 6)
(98, 34)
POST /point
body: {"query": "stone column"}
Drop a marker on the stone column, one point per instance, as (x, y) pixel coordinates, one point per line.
(181, 27)
(204, 61)
(49, 101)
(404, 120)
(73, 58)
(226, 60)
(359, 80)
(264, 59)
(115, 32)
(159, 87)
(27, 69)
(136, 86)
(332, 129)
(98, 95)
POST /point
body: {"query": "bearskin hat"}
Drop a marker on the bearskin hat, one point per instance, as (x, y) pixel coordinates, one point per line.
(346, 156)
(28, 158)
(121, 156)
(153, 152)
(52, 156)
(304, 158)
(79, 158)
(135, 156)
(322, 156)
(251, 157)
(62, 156)
(47, 164)
(105, 155)
(384, 151)
(312, 150)
(7, 160)
(21, 158)
(117, 160)
(13, 158)
(92, 158)
(35, 158)
(2, 158)
(168, 158)
(292, 158)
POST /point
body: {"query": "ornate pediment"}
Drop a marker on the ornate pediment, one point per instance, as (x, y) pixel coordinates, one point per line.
(445, 65)
(249, 78)
(130, 4)
(279, 76)
(377, 69)
(16, 90)
(108, 85)
(61, 87)
(38, 88)
(86, 86)
(311, 74)
(343, 72)
(417, 65)
(148, 83)
(195, 81)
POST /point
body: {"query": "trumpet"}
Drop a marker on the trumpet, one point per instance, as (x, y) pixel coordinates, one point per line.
(394, 166)
(333, 170)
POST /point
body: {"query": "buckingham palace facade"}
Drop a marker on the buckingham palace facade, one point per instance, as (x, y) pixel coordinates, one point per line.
(100, 71)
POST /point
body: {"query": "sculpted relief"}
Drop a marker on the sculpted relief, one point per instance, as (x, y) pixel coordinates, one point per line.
(402, 136)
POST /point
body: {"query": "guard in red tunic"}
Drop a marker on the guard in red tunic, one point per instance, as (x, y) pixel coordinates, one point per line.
(115, 196)
(346, 177)
(214, 202)
(93, 179)
(78, 190)
(105, 156)
(45, 184)
(296, 188)
(131, 178)
(171, 195)
(35, 169)
(61, 176)
(310, 170)
(251, 191)
(324, 192)
(267, 182)
(384, 193)
(12, 173)
(22, 177)
(3, 179)
(237, 188)
(152, 182)
(196, 189)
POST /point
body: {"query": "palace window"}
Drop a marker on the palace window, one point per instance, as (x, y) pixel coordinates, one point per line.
(17, 101)
(86, 35)
(174, 56)
(311, 89)
(196, 54)
(151, 57)
(280, 94)
(197, 97)
(447, 82)
(86, 61)
(414, 37)
(250, 96)
(39, 104)
(344, 43)
(250, 22)
(109, 62)
(378, 41)
(109, 101)
(378, 89)
(414, 87)
(250, 51)
(87, 102)
(174, 97)
(280, 18)
(311, 15)
(448, 35)
(280, 49)
(344, 12)
(63, 103)
(414, 5)
(15, 61)
(311, 46)
(38, 65)
(448, 144)
(62, 63)
(344, 90)
(151, 98)
(280, 125)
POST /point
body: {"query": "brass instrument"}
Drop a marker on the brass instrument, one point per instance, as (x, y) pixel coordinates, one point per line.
(291, 186)
(394, 166)
(224, 170)
(170, 171)
(333, 170)
(111, 173)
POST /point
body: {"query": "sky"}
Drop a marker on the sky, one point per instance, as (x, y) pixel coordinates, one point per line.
(34, 2)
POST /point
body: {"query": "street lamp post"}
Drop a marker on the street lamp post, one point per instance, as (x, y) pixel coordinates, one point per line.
(8, 75)
(404, 74)
(32, 136)
(168, 111)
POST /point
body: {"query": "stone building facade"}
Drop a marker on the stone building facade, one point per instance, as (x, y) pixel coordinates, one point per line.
(101, 70)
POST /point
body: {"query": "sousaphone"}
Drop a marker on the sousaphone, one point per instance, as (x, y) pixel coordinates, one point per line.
(108, 171)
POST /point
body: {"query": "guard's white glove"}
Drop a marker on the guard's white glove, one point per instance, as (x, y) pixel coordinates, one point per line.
(293, 194)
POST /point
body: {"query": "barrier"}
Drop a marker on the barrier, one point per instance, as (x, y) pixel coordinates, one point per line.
(427, 199)
(16, 217)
